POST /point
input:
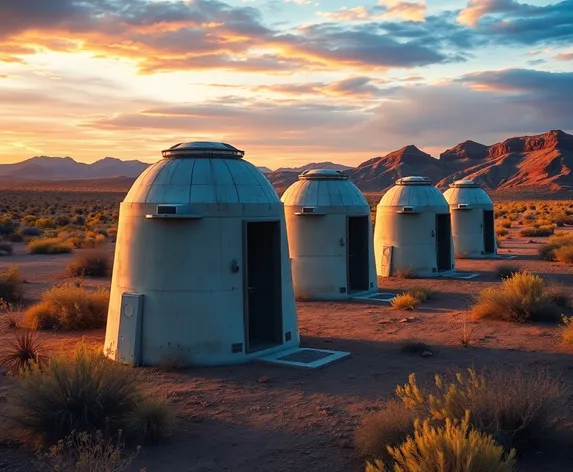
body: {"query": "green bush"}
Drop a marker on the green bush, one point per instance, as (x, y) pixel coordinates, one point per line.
(49, 246)
(86, 393)
(522, 297)
(69, 307)
(453, 447)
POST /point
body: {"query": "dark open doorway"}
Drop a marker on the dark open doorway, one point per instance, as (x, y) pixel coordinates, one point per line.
(488, 232)
(263, 287)
(358, 254)
(444, 242)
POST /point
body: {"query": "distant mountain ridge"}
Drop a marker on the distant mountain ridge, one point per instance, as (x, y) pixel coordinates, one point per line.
(539, 162)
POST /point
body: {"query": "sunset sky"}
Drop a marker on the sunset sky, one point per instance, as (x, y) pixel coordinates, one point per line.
(288, 81)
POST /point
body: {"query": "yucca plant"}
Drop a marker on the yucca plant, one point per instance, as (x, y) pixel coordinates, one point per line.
(22, 352)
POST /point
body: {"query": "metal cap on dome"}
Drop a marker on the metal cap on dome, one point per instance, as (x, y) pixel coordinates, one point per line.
(414, 180)
(465, 183)
(199, 149)
(322, 174)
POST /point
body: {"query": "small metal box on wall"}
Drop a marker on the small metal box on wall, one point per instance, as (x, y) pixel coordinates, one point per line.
(129, 342)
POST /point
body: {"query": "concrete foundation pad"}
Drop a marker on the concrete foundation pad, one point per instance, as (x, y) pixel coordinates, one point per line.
(461, 275)
(306, 358)
(380, 298)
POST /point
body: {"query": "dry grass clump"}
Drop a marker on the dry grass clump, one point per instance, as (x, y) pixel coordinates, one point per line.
(522, 298)
(422, 293)
(22, 352)
(11, 285)
(69, 307)
(568, 329)
(501, 232)
(532, 232)
(49, 246)
(548, 251)
(86, 393)
(504, 271)
(95, 263)
(451, 447)
(564, 254)
(84, 452)
(518, 409)
(405, 301)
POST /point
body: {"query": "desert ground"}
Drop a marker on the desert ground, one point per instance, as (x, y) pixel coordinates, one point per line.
(258, 417)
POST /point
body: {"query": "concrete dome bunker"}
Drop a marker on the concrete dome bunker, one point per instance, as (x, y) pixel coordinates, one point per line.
(473, 219)
(201, 269)
(413, 230)
(330, 237)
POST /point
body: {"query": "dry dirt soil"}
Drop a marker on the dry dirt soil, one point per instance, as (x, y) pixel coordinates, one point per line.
(263, 418)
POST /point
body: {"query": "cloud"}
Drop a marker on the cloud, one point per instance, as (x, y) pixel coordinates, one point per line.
(407, 11)
(355, 87)
(565, 56)
(476, 9)
(386, 9)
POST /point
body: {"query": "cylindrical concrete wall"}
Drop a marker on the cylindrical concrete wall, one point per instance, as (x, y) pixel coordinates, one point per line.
(473, 227)
(406, 234)
(321, 209)
(189, 268)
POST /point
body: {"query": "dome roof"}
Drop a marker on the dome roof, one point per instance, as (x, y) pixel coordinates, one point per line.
(207, 173)
(467, 192)
(323, 188)
(416, 192)
(322, 174)
(198, 149)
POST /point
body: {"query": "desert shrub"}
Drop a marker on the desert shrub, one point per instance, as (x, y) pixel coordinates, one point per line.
(406, 273)
(62, 220)
(5, 248)
(84, 393)
(505, 224)
(504, 271)
(30, 232)
(413, 346)
(389, 426)
(11, 285)
(547, 251)
(69, 307)
(90, 264)
(7, 226)
(542, 231)
(84, 452)
(421, 293)
(559, 295)
(404, 301)
(45, 223)
(564, 254)
(22, 352)
(501, 232)
(49, 246)
(568, 329)
(521, 298)
(78, 220)
(519, 408)
(29, 220)
(451, 447)
(150, 420)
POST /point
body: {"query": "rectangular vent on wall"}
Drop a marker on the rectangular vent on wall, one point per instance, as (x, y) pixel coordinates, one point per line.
(166, 210)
